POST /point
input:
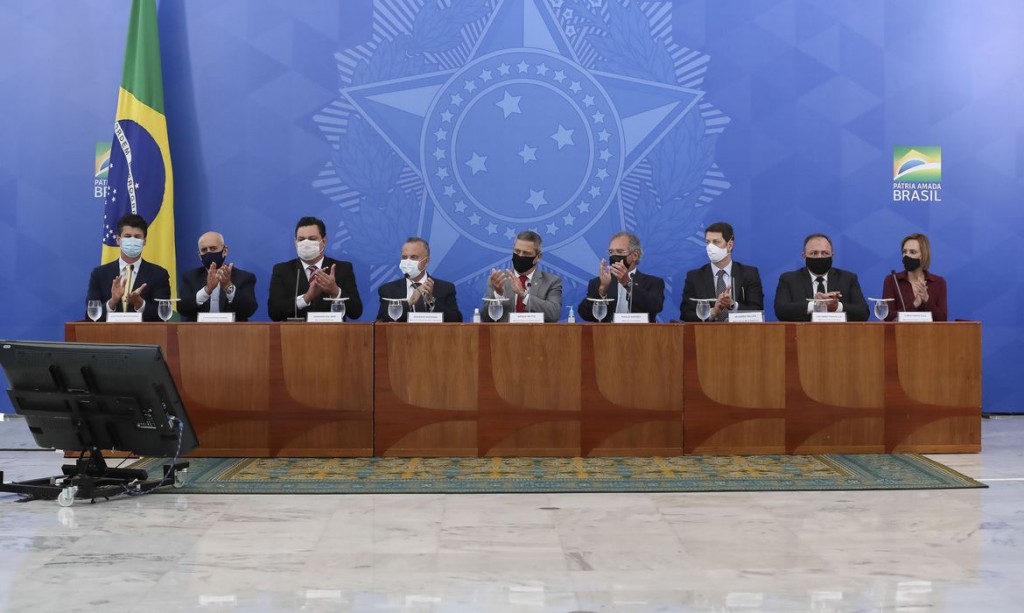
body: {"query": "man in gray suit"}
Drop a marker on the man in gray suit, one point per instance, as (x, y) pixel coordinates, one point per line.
(526, 289)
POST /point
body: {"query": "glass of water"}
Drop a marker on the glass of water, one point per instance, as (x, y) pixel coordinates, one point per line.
(395, 308)
(165, 308)
(495, 308)
(600, 308)
(820, 305)
(338, 306)
(881, 307)
(94, 309)
(703, 307)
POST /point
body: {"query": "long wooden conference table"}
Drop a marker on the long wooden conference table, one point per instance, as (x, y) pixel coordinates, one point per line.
(362, 389)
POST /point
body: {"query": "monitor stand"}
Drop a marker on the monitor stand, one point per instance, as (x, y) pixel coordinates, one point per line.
(90, 478)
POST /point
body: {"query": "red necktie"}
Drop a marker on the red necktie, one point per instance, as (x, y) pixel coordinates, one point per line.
(520, 305)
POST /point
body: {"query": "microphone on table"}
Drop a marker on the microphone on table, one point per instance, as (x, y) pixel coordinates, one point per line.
(896, 288)
(295, 307)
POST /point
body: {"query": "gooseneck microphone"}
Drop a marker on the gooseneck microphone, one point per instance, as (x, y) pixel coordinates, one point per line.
(295, 294)
(896, 288)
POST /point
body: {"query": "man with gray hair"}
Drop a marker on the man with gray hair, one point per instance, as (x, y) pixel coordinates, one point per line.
(618, 280)
(525, 288)
(216, 287)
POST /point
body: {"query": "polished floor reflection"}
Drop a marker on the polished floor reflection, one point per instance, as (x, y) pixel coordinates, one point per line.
(805, 551)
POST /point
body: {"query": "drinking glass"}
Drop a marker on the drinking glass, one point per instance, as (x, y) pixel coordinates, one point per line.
(94, 309)
(600, 309)
(164, 308)
(881, 307)
(495, 308)
(395, 308)
(338, 306)
(703, 307)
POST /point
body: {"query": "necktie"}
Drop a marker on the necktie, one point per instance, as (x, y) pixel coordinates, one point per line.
(622, 304)
(415, 286)
(821, 284)
(719, 288)
(127, 286)
(520, 305)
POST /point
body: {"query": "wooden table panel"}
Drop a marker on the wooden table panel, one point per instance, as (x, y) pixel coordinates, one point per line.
(835, 388)
(529, 390)
(426, 388)
(933, 387)
(735, 381)
(327, 371)
(632, 397)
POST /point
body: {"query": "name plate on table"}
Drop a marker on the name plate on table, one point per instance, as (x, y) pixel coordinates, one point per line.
(746, 317)
(914, 316)
(324, 317)
(426, 318)
(117, 317)
(526, 318)
(630, 318)
(828, 317)
(216, 318)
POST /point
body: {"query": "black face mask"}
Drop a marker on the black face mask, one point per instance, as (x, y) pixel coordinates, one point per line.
(819, 266)
(618, 258)
(911, 264)
(213, 257)
(522, 263)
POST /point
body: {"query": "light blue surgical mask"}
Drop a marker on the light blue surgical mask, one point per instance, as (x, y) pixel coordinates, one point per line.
(132, 247)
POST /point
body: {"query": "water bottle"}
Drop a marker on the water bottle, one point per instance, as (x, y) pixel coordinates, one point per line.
(476, 316)
(572, 316)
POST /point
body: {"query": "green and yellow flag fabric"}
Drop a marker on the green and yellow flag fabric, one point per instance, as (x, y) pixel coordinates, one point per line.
(140, 176)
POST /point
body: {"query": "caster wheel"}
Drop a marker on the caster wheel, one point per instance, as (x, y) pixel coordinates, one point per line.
(66, 498)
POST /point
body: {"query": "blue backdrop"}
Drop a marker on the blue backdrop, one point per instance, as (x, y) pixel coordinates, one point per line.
(468, 121)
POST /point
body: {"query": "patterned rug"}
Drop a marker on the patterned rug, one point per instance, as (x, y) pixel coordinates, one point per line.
(529, 475)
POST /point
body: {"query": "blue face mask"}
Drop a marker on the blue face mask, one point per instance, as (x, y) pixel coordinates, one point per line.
(213, 257)
(132, 247)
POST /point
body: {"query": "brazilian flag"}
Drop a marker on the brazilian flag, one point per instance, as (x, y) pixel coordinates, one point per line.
(140, 178)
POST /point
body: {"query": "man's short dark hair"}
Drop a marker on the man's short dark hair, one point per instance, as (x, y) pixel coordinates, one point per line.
(531, 236)
(416, 239)
(312, 221)
(811, 237)
(722, 228)
(134, 221)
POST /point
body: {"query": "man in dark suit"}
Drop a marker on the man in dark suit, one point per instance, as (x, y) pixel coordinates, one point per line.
(734, 286)
(837, 289)
(129, 283)
(215, 286)
(418, 291)
(525, 288)
(633, 291)
(304, 284)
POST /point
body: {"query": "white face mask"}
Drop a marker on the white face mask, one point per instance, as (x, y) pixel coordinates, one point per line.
(716, 254)
(308, 249)
(132, 247)
(411, 268)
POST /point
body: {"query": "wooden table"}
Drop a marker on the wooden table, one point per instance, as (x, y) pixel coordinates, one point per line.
(356, 389)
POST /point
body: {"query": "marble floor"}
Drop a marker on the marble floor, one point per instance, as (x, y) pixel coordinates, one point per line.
(805, 551)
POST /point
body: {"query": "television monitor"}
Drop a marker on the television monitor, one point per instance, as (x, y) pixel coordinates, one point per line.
(81, 396)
